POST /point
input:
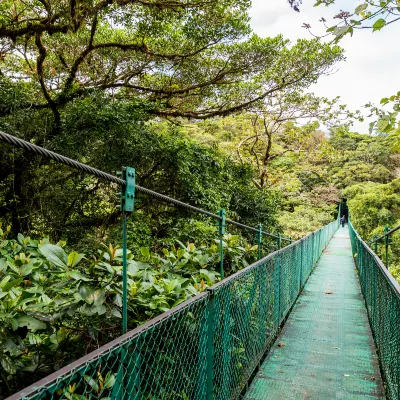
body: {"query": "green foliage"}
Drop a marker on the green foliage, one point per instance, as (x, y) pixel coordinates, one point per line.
(374, 206)
(304, 220)
(387, 121)
(55, 303)
(63, 203)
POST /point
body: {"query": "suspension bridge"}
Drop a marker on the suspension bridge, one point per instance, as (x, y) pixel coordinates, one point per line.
(315, 319)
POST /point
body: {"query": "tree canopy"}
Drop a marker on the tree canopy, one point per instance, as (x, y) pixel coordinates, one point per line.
(194, 59)
(206, 112)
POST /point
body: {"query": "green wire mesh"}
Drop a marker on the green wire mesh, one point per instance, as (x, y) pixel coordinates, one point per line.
(204, 349)
(164, 359)
(382, 297)
(250, 306)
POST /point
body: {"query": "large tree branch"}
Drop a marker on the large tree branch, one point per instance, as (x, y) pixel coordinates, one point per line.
(221, 112)
(39, 67)
(241, 143)
(81, 58)
(77, 14)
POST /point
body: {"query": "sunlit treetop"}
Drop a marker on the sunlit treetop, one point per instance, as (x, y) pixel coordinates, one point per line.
(186, 58)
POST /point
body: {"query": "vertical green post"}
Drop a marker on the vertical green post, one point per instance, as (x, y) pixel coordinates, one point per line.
(124, 275)
(222, 225)
(301, 264)
(127, 207)
(386, 230)
(210, 347)
(127, 368)
(259, 239)
(277, 296)
(376, 244)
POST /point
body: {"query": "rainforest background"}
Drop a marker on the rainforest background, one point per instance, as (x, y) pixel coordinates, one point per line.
(206, 112)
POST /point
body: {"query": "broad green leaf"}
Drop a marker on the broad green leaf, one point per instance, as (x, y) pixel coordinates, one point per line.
(384, 101)
(101, 309)
(166, 252)
(109, 381)
(30, 322)
(145, 252)
(340, 31)
(7, 364)
(54, 254)
(4, 281)
(77, 276)
(116, 313)
(27, 269)
(361, 7)
(132, 268)
(97, 297)
(382, 125)
(118, 300)
(9, 346)
(74, 258)
(92, 383)
(180, 253)
(379, 24)
(20, 238)
(12, 284)
(85, 292)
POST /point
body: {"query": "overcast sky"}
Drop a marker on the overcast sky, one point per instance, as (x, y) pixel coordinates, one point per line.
(372, 68)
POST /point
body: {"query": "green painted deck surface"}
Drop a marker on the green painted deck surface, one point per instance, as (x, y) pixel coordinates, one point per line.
(326, 350)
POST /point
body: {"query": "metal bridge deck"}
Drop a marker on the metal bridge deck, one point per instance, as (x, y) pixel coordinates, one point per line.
(326, 349)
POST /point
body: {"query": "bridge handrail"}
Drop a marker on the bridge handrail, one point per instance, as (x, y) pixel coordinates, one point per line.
(206, 348)
(382, 297)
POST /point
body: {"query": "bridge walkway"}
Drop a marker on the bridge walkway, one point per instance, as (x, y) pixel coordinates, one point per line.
(326, 349)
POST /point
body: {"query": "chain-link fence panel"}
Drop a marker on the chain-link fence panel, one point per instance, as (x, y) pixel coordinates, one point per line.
(204, 349)
(382, 297)
(250, 306)
(163, 359)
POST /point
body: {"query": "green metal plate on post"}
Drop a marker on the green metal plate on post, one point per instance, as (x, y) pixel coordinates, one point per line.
(128, 197)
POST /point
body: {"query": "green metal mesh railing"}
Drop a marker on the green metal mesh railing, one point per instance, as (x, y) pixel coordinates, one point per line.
(250, 306)
(206, 348)
(163, 359)
(382, 298)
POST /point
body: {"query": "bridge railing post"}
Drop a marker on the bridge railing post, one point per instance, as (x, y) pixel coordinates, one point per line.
(387, 243)
(259, 240)
(376, 244)
(127, 207)
(210, 347)
(221, 230)
(130, 361)
(277, 295)
(301, 265)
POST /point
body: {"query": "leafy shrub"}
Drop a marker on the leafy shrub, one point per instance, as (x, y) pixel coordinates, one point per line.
(54, 302)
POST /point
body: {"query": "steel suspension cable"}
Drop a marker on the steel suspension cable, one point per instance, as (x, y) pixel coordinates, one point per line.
(5, 137)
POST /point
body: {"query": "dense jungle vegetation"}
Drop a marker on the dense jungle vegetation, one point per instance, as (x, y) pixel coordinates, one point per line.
(208, 113)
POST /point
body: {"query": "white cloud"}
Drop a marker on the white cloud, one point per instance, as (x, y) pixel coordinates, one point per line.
(371, 70)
